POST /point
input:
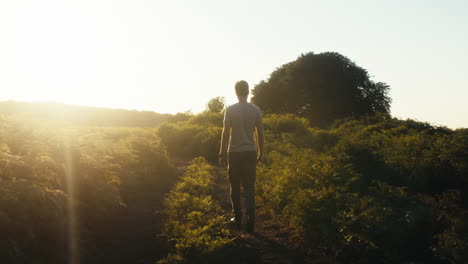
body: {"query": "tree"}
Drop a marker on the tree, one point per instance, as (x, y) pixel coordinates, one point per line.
(322, 87)
(216, 104)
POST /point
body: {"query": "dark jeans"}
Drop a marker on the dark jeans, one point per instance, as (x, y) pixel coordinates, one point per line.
(242, 169)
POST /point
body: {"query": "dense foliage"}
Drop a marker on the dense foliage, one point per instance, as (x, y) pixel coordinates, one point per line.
(322, 87)
(193, 136)
(112, 170)
(375, 189)
(196, 226)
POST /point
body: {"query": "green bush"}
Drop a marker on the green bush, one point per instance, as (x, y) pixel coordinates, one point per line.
(111, 168)
(187, 140)
(195, 225)
(374, 189)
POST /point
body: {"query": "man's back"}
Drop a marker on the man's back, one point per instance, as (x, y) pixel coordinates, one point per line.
(241, 155)
(243, 118)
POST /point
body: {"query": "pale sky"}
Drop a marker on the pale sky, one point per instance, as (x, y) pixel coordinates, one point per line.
(173, 56)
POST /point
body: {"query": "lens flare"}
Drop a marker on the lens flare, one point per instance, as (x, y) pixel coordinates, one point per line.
(73, 232)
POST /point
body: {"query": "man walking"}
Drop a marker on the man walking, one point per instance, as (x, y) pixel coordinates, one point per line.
(243, 130)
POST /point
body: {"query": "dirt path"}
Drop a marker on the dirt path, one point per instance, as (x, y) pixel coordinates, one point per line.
(263, 246)
(138, 242)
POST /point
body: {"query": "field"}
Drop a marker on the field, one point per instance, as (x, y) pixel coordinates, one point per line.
(373, 189)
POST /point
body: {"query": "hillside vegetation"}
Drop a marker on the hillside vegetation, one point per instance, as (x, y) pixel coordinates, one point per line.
(374, 189)
(195, 226)
(113, 171)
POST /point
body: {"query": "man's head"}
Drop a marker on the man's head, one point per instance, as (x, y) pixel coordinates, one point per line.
(242, 89)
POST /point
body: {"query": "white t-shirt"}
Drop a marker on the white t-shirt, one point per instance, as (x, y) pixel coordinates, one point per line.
(243, 118)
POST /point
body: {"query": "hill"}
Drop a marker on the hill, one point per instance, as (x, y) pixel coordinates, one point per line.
(63, 114)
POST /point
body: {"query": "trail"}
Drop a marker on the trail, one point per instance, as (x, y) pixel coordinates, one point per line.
(139, 242)
(264, 246)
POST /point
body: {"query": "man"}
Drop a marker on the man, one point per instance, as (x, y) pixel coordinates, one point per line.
(243, 130)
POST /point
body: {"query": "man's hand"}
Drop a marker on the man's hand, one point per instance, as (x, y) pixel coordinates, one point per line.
(223, 160)
(259, 159)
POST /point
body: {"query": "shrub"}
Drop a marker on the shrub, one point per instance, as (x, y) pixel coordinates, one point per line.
(378, 190)
(195, 225)
(191, 140)
(111, 168)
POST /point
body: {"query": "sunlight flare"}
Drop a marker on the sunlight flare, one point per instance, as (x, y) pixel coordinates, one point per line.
(73, 232)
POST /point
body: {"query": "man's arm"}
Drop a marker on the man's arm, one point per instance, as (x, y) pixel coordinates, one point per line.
(260, 141)
(224, 143)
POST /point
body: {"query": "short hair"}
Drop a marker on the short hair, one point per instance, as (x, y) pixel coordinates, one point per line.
(242, 88)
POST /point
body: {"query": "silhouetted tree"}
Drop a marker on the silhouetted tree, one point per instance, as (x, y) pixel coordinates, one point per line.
(322, 87)
(216, 104)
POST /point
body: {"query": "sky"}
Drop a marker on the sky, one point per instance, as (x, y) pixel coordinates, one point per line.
(174, 56)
